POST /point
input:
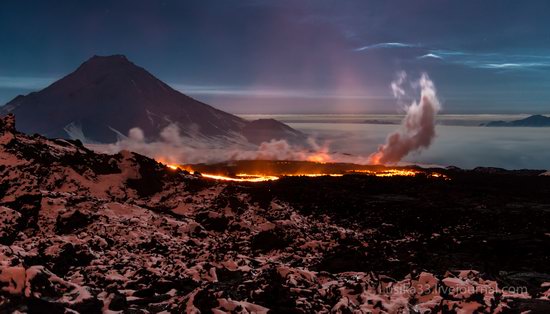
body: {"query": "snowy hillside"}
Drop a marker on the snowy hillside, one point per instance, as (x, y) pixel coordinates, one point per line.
(91, 233)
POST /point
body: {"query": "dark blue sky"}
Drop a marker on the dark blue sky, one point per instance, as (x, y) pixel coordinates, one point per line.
(293, 56)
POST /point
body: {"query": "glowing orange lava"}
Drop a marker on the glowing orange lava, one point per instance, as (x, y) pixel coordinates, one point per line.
(319, 158)
(375, 158)
(245, 177)
(172, 167)
(389, 172)
(400, 173)
(241, 177)
(314, 175)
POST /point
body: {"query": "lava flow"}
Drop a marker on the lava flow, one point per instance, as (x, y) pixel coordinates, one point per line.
(240, 177)
(387, 172)
(244, 173)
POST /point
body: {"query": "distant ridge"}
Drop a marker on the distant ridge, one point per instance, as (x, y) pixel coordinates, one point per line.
(108, 95)
(532, 121)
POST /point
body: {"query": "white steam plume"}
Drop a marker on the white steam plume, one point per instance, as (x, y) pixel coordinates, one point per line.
(397, 85)
(417, 129)
(175, 148)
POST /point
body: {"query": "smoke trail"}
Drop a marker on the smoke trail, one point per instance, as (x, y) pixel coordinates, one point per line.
(417, 128)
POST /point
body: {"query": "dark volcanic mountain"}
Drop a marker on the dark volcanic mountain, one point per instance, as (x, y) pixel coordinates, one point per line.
(532, 121)
(107, 96)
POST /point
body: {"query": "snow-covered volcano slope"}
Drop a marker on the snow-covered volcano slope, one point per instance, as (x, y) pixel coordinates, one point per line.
(90, 233)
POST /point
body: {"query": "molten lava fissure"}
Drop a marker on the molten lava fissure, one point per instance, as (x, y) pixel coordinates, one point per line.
(241, 177)
(217, 172)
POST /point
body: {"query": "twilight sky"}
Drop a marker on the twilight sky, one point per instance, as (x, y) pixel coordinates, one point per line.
(293, 56)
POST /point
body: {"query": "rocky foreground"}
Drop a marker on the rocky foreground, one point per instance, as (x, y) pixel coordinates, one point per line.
(90, 233)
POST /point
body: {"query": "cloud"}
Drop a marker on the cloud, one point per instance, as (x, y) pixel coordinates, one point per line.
(387, 45)
(430, 56)
(27, 83)
(476, 60)
(524, 65)
(490, 60)
(261, 92)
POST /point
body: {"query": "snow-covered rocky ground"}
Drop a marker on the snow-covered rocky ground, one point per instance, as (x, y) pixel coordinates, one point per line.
(91, 233)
